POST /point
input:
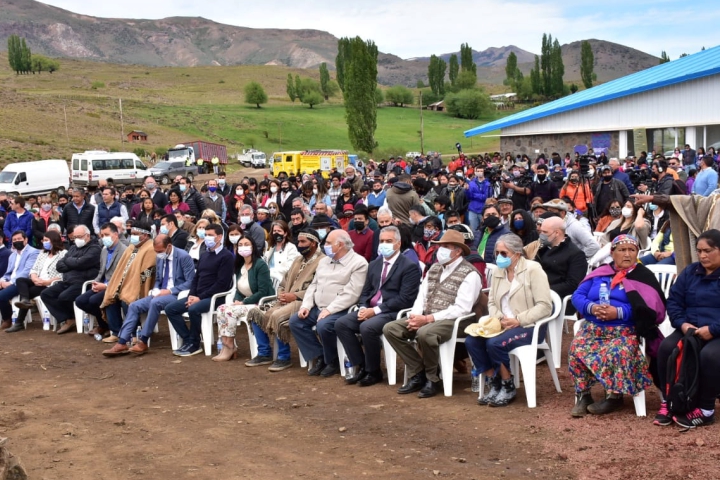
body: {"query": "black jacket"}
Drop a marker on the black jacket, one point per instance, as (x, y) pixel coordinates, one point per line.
(80, 264)
(70, 217)
(564, 265)
(180, 239)
(195, 202)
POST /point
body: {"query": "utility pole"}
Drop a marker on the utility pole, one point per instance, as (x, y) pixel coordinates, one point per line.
(122, 127)
(67, 133)
(422, 148)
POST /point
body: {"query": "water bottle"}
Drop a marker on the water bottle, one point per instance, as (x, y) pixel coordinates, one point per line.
(219, 344)
(349, 369)
(475, 386)
(86, 324)
(14, 317)
(46, 320)
(138, 331)
(604, 294)
(98, 337)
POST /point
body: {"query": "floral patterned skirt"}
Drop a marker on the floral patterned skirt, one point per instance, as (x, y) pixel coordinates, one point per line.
(610, 356)
(228, 316)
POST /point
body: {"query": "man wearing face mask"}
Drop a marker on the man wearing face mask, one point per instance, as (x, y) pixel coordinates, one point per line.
(291, 291)
(215, 200)
(335, 288)
(19, 265)
(107, 209)
(478, 190)
(564, 264)
(169, 227)
(322, 224)
(609, 189)
(417, 219)
(175, 271)
(251, 229)
(581, 236)
(80, 264)
(214, 275)
(391, 285)
(450, 289)
(361, 234)
(223, 187)
(91, 300)
(543, 187)
(132, 279)
(192, 197)
(158, 197)
(456, 194)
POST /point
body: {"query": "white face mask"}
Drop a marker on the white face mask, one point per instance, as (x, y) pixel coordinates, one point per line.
(245, 219)
(627, 212)
(234, 239)
(273, 189)
(443, 255)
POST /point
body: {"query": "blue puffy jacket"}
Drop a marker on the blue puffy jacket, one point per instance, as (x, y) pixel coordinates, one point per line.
(694, 299)
(14, 223)
(478, 192)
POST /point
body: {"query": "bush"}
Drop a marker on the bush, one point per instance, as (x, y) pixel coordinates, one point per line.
(468, 104)
(399, 96)
(96, 85)
(140, 152)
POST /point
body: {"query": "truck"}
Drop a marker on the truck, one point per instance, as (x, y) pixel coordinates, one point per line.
(307, 161)
(253, 158)
(190, 152)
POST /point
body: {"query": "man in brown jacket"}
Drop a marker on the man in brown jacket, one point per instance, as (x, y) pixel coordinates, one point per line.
(401, 197)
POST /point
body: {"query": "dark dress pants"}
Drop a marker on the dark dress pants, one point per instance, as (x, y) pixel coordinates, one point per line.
(370, 330)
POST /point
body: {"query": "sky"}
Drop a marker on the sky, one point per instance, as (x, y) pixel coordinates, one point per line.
(419, 28)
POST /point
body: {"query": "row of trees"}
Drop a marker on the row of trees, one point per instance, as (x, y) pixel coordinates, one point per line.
(22, 61)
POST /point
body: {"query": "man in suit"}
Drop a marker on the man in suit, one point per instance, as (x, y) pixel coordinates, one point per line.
(391, 285)
(169, 227)
(19, 265)
(157, 195)
(91, 300)
(175, 271)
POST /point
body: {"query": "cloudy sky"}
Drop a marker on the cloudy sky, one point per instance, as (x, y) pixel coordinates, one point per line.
(411, 28)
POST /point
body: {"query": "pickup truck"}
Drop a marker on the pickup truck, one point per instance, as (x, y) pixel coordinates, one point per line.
(165, 172)
(253, 158)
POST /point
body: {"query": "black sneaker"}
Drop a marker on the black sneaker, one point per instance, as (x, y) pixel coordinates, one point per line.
(663, 416)
(280, 365)
(259, 360)
(694, 419)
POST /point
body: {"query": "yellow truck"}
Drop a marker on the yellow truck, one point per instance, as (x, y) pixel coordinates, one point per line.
(298, 162)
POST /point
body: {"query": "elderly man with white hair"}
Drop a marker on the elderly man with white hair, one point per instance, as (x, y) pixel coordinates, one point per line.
(337, 285)
(353, 178)
(251, 228)
(120, 224)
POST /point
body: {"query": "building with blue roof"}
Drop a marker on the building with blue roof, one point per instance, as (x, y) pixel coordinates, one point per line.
(660, 108)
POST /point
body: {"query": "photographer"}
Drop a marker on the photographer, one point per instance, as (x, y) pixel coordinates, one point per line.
(517, 188)
(663, 178)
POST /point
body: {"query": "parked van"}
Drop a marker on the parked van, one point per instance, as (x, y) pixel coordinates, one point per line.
(39, 178)
(118, 168)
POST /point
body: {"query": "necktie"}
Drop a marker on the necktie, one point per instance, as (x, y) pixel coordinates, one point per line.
(166, 274)
(376, 298)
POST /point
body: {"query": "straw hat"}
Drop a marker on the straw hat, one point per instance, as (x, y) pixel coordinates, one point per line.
(487, 327)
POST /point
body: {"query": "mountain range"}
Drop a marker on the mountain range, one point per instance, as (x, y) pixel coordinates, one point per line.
(193, 41)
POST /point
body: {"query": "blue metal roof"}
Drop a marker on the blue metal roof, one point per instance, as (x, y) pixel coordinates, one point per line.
(698, 65)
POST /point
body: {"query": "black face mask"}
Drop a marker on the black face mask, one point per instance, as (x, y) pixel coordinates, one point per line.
(304, 251)
(285, 189)
(541, 178)
(491, 222)
(279, 238)
(607, 179)
(19, 245)
(377, 190)
(359, 226)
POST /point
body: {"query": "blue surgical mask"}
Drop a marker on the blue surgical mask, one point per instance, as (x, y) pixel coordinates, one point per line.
(322, 233)
(652, 206)
(47, 245)
(201, 233)
(329, 251)
(107, 241)
(519, 224)
(502, 261)
(210, 242)
(164, 230)
(134, 239)
(386, 250)
(183, 187)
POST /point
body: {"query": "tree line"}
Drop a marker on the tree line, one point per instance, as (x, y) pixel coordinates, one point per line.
(22, 61)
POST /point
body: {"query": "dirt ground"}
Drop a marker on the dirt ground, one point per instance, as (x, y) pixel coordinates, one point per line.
(71, 413)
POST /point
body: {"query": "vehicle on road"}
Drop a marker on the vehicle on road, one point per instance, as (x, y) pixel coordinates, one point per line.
(36, 178)
(165, 171)
(118, 168)
(309, 161)
(190, 152)
(253, 158)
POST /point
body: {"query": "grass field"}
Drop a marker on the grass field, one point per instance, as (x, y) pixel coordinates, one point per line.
(187, 103)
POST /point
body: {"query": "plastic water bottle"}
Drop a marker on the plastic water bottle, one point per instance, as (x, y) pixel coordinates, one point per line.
(98, 337)
(86, 324)
(14, 317)
(219, 344)
(138, 331)
(475, 386)
(604, 294)
(46, 320)
(349, 369)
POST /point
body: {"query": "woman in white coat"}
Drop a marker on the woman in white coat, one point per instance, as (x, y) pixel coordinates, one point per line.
(281, 251)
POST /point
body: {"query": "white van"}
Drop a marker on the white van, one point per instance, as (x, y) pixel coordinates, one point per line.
(118, 168)
(39, 178)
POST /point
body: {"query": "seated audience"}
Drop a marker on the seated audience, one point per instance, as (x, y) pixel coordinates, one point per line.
(281, 252)
(19, 265)
(563, 262)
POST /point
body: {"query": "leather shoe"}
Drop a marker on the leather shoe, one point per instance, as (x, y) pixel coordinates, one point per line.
(5, 324)
(24, 304)
(415, 383)
(16, 328)
(110, 339)
(139, 348)
(97, 330)
(116, 350)
(357, 377)
(371, 378)
(330, 370)
(318, 367)
(430, 389)
(66, 327)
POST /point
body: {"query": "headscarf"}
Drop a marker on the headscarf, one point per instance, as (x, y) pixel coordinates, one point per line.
(621, 274)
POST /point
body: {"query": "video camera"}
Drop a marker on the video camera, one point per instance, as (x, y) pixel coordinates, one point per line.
(642, 176)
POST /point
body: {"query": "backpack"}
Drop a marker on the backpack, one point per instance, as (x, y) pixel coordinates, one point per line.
(683, 374)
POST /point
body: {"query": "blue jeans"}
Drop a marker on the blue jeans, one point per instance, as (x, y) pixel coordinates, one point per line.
(307, 339)
(490, 353)
(475, 220)
(6, 296)
(150, 305)
(649, 259)
(264, 347)
(174, 312)
(114, 317)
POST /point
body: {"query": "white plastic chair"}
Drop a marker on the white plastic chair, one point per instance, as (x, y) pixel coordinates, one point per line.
(391, 354)
(489, 269)
(523, 359)
(666, 276)
(556, 336)
(28, 317)
(639, 399)
(79, 314)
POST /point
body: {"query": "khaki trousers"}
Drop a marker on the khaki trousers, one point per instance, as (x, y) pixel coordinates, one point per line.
(429, 337)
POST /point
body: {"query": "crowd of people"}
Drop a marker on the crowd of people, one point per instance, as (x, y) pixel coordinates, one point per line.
(332, 260)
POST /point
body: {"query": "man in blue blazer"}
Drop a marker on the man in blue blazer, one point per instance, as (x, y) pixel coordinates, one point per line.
(19, 264)
(175, 271)
(391, 285)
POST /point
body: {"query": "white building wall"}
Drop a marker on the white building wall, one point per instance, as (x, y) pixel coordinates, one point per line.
(693, 103)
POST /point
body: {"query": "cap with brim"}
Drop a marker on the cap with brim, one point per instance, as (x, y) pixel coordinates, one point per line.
(505, 200)
(487, 327)
(452, 237)
(557, 204)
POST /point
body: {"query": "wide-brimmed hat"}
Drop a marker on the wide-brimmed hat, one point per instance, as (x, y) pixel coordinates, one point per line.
(557, 204)
(320, 220)
(452, 237)
(487, 327)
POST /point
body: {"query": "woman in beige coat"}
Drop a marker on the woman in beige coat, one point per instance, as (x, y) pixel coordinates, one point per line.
(519, 297)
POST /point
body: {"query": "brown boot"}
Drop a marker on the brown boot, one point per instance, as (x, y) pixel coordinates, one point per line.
(228, 352)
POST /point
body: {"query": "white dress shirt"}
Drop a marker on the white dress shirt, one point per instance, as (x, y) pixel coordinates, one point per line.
(466, 296)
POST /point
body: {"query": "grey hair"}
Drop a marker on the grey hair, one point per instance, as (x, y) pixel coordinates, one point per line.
(512, 242)
(247, 207)
(385, 211)
(84, 228)
(392, 229)
(344, 238)
(55, 226)
(117, 219)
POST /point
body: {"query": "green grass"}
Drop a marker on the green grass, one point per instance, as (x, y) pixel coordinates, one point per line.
(188, 103)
